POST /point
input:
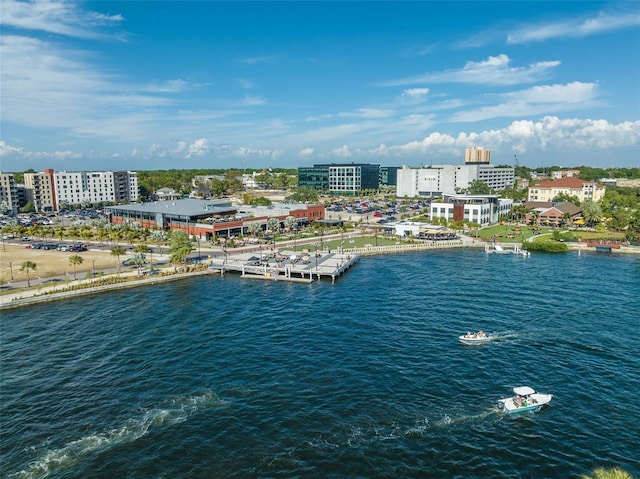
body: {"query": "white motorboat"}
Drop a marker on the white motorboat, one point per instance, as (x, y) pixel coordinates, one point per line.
(524, 399)
(475, 338)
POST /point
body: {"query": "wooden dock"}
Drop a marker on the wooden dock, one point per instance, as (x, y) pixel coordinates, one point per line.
(286, 265)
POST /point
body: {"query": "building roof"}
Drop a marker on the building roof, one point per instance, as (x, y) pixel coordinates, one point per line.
(573, 183)
(184, 207)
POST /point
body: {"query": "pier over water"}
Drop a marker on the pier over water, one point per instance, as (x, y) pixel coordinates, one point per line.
(287, 265)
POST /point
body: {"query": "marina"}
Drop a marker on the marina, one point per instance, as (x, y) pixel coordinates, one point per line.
(284, 265)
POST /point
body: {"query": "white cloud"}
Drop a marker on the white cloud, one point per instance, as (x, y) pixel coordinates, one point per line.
(535, 101)
(305, 153)
(366, 113)
(251, 100)
(603, 22)
(413, 96)
(544, 141)
(495, 70)
(342, 152)
(199, 148)
(551, 133)
(62, 18)
(262, 59)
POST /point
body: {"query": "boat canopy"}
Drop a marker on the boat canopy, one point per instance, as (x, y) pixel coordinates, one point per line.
(523, 391)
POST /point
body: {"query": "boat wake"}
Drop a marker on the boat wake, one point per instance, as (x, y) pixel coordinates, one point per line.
(357, 436)
(175, 411)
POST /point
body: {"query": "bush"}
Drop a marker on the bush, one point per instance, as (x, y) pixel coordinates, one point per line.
(546, 247)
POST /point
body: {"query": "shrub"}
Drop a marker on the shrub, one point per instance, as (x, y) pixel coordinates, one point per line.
(546, 247)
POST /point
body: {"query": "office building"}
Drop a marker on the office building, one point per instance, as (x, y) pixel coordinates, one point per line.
(340, 178)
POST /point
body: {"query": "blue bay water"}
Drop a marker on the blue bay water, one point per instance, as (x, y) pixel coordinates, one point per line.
(221, 377)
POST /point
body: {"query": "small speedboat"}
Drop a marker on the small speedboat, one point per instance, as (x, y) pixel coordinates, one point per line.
(524, 399)
(475, 338)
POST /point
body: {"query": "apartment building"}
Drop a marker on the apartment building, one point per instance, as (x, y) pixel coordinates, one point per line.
(50, 190)
(9, 197)
(550, 190)
(41, 190)
(477, 156)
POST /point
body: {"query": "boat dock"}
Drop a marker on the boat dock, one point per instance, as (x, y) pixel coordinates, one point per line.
(505, 248)
(286, 265)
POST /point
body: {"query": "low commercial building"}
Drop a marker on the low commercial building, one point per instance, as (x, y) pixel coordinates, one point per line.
(483, 210)
(207, 219)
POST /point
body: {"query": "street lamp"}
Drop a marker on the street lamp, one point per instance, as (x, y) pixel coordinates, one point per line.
(11, 269)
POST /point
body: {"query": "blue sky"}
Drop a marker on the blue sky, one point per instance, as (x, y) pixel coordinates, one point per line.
(197, 84)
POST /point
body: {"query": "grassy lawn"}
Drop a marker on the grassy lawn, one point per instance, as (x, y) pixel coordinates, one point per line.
(502, 233)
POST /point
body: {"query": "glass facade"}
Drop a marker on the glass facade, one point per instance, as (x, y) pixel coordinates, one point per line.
(349, 178)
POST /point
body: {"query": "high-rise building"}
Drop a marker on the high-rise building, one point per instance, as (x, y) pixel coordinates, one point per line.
(477, 156)
(9, 197)
(41, 190)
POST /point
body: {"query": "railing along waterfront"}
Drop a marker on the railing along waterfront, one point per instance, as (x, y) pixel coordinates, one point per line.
(403, 248)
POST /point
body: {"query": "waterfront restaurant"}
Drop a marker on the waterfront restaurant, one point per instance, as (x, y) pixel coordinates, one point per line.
(207, 219)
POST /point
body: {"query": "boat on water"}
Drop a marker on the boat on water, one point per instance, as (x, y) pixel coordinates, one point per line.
(475, 338)
(524, 399)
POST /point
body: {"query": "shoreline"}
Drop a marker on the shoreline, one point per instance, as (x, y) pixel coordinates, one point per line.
(83, 287)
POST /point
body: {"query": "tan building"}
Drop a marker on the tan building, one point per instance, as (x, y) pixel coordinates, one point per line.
(477, 156)
(8, 194)
(583, 190)
(41, 190)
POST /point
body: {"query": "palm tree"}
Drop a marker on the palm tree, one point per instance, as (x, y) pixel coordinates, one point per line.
(117, 252)
(26, 266)
(139, 257)
(75, 260)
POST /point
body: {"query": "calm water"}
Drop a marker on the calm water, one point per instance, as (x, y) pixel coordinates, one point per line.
(229, 378)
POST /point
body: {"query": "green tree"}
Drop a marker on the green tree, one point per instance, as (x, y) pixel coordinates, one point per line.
(179, 246)
(478, 187)
(254, 229)
(75, 260)
(613, 473)
(118, 251)
(304, 195)
(139, 256)
(565, 197)
(26, 266)
(28, 208)
(591, 212)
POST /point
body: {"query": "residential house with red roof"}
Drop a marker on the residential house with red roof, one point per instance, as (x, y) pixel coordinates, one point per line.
(583, 190)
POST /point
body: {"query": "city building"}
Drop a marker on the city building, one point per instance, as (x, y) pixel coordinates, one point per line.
(207, 219)
(41, 190)
(550, 190)
(51, 191)
(477, 156)
(9, 196)
(340, 178)
(388, 176)
(435, 181)
(480, 209)
(544, 213)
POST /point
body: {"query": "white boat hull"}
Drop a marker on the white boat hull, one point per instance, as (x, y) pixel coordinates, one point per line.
(477, 340)
(533, 402)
